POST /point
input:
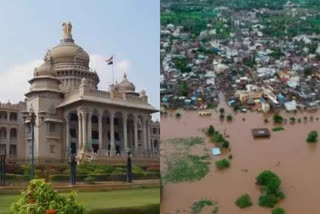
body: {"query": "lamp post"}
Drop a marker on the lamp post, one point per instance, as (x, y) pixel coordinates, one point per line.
(31, 116)
(129, 167)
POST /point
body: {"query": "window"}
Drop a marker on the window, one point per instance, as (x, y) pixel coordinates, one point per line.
(51, 148)
(2, 149)
(51, 127)
(13, 149)
(154, 130)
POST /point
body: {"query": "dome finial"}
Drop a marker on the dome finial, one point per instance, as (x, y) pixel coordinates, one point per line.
(125, 75)
(67, 28)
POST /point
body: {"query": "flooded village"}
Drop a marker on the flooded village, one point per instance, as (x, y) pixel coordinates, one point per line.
(239, 101)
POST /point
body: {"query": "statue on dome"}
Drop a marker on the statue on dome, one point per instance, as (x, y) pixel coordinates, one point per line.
(67, 28)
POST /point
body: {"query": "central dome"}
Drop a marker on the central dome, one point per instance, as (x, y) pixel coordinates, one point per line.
(68, 51)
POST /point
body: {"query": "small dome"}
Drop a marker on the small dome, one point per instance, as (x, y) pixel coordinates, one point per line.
(67, 51)
(125, 85)
(44, 69)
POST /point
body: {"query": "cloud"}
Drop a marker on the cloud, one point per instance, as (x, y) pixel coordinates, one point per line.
(14, 81)
(97, 63)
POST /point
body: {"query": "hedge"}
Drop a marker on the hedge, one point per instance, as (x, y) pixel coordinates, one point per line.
(155, 208)
(107, 177)
(15, 177)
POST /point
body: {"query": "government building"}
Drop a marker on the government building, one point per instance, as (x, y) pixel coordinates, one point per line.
(73, 116)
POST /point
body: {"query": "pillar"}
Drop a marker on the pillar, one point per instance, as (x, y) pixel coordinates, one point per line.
(112, 146)
(79, 132)
(8, 141)
(68, 146)
(144, 128)
(100, 131)
(149, 137)
(90, 127)
(125, 132)
(135, 132)
(84, 130)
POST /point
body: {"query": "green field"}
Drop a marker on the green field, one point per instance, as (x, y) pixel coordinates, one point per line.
(102, 200)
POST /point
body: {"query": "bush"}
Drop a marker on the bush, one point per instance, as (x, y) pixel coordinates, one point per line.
(277, 118)
(89, 180)
(278, 210)
(265, 177)
(276, 129)
(225, 144)
(210, 131)
(40, 198)
(268, 200)
(178, 115)
(16, 178)
(221, 164)
(312, 137)
(244, 201)
(229, 118)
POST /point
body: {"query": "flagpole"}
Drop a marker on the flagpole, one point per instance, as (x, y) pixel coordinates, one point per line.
(112, 71)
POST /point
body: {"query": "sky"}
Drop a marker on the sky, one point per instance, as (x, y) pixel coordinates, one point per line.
(127, 29)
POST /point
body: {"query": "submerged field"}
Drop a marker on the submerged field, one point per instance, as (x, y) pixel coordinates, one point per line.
(121, 201)
(286, 153)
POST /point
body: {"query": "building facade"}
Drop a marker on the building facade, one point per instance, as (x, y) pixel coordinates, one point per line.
(74, 117)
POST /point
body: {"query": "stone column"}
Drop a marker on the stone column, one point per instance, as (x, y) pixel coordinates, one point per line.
(84, 130)
(79, 132)
(144, 128)
(149, 137)
(68, 148)
(8, 141)
(112, 146)
(8, 116)
(100, 132)
(135, 132)
(90, 127)
(125, 132)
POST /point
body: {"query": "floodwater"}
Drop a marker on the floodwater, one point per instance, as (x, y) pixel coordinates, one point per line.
(286, 153)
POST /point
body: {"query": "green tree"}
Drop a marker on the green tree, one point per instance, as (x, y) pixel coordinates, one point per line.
(312, 137)
(40, 197)
(277, 118)
(244, 201)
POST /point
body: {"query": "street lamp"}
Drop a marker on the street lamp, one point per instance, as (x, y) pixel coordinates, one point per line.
(31, 116)
(129, 167)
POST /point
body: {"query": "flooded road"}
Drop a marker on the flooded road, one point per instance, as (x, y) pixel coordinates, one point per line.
(286, 153)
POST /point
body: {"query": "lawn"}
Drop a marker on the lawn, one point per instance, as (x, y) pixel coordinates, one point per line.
(102, 200)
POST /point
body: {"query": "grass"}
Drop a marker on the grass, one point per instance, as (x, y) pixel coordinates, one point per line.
(100, 202)
(187, 168)
(199, 205)
(188, 142)
(276, 129)
(221, 164)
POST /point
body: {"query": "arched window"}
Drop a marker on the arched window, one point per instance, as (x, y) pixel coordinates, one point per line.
(3, 133)
(13, 134)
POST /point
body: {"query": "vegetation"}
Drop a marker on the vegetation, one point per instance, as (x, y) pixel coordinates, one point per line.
(222, 164)
(221, 110)
(277, 118)
(244, 201)
(41, 198)
(133, 201)
(312, 137)
(278, 210)
(199, 205)
(210, 130)
(276, 129)
(186, 168)
(271, 193)
(178, 115)
(229, 117)
(188, 142)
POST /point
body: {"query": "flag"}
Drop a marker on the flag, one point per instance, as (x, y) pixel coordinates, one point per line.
(109, 60)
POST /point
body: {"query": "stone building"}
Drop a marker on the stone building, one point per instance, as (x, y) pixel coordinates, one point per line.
(74, 117)
(12, 133)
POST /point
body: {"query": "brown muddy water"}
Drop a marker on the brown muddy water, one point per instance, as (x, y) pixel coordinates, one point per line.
(286, 153)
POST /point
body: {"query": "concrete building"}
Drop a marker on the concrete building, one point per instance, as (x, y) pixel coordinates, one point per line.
(74, 117)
